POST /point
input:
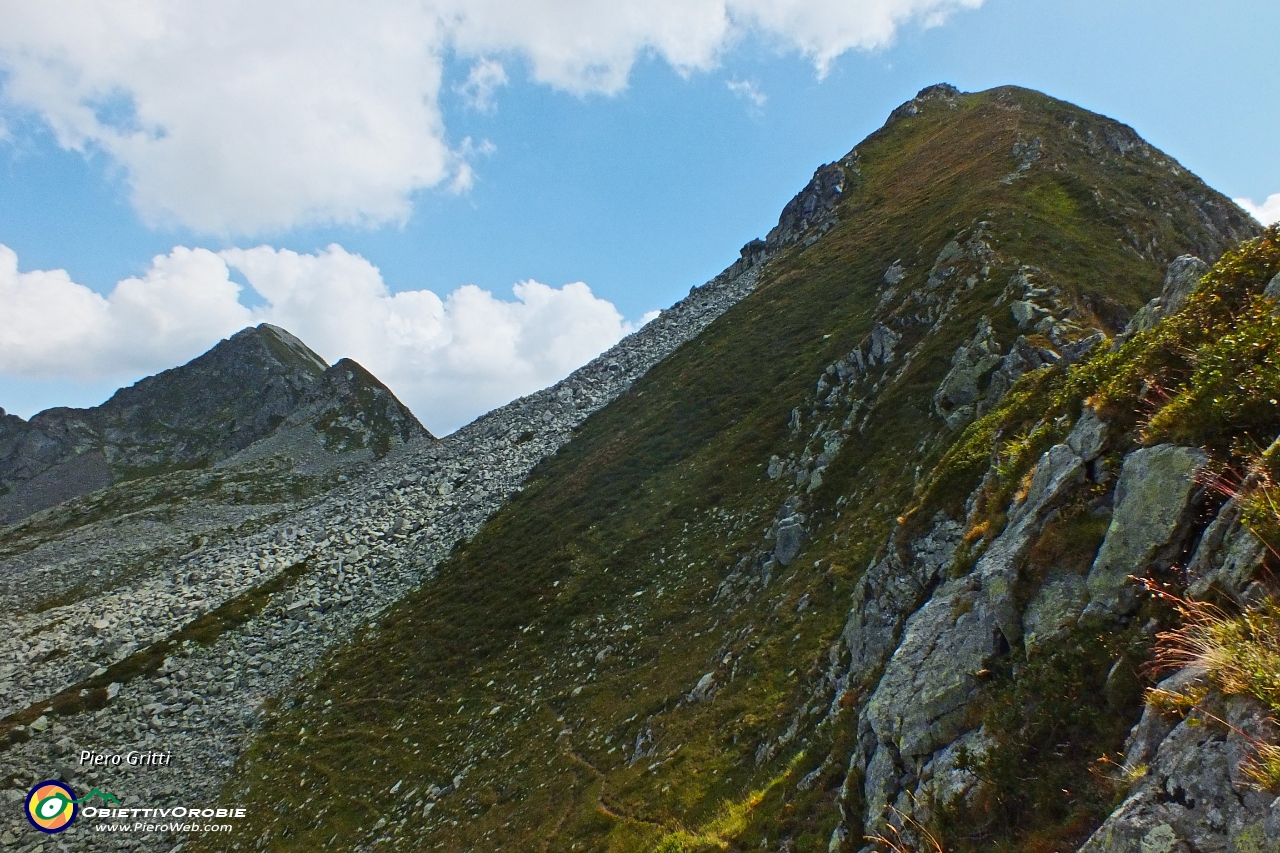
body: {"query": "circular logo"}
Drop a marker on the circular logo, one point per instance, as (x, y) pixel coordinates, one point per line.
(51, 806)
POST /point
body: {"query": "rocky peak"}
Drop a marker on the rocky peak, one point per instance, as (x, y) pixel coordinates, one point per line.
(812, 211)
(215, 406)
(942, 92)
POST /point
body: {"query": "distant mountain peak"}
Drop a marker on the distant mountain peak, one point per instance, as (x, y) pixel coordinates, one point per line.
(215, 406)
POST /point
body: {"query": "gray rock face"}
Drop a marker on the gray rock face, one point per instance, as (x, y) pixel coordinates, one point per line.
(791, 536)
(1194, 798)
(1154, 726)
(918, 705)
(891, 590)
(1088, 436)
(1055, 608)
(1272, 290)
(1155, 487)
(920, 702)
(1228, 556)
(971, 366)
(812, 210)
(1026, 313)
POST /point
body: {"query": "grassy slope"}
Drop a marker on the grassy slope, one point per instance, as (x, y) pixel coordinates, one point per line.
(602, 575)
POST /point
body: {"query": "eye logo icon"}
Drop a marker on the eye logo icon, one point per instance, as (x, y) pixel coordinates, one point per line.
(51, 806)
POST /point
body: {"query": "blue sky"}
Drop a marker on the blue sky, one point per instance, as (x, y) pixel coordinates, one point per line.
(638, 190)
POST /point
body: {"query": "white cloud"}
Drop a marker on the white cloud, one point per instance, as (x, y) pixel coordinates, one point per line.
(448, 359)
(1268, 213)
(245, 116)
(485, 78)
(823, 30)
(57, 329)
(748, 91)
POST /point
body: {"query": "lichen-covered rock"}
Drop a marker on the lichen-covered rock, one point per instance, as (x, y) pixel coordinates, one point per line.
(1195, 797)
(922, 699)
(791, 536)
(1053, 610)
(1180, 281)
(919, 703)
(1154, 726)
(1155, 487)
(1026, 313)
(889, 592)
(949, 777)
(1228, 556)
(1088, 436)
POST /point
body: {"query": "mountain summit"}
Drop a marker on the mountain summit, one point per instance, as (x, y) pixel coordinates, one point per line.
(805, 582)
(241, 391)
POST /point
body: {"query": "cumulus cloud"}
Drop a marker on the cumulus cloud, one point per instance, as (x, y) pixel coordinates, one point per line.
(1268, 213)
(245, 116)
(448, 359)
(748, 91)
(57, 329)
(486, 78)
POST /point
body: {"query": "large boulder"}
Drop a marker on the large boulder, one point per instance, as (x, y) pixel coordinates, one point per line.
(1180, 281)
(1152, 496)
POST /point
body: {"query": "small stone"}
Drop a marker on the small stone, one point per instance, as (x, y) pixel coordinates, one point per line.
(1026, 313)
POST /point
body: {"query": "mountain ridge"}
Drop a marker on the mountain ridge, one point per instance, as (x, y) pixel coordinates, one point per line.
(621, 659)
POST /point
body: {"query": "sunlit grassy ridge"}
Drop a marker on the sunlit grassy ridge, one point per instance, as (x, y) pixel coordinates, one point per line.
(577, 622)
